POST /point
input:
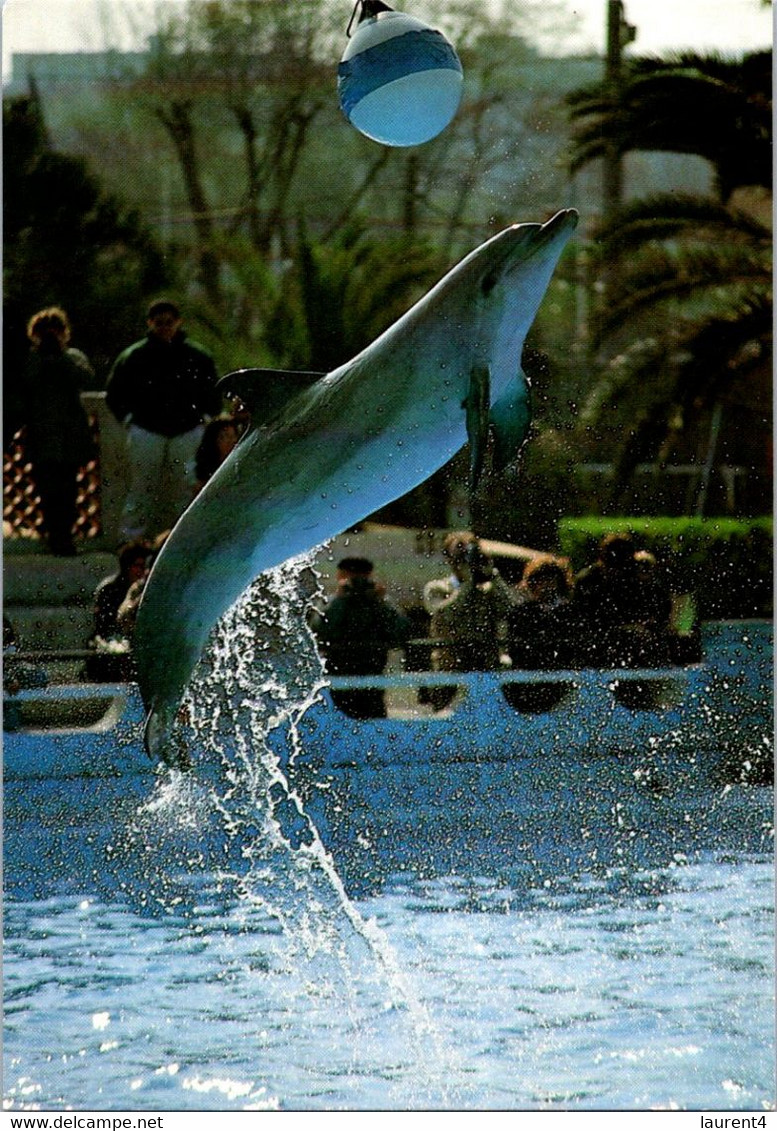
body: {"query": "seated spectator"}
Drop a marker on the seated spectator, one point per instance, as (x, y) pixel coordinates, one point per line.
(356, 630)
(219, 438)
(455, 549)
(111, 647)
(128, 610)
(542, 630)
(623, 615)
(133, 566)
(470, 624)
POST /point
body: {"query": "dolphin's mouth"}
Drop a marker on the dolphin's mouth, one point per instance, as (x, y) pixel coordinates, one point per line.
(524, 241)
(538, 236)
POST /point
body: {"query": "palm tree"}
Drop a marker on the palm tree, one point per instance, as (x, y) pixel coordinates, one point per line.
(343, 293)
(707, 105)
(688, 328)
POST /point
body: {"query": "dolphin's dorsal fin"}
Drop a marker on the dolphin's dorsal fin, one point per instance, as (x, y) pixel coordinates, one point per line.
(510, 419)
(264, 392)
(476, 405)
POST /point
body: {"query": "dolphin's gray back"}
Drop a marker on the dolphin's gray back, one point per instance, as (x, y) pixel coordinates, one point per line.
(340, 449)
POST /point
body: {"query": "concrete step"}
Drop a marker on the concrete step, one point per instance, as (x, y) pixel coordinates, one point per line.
(50, 600)
(55, 628)
(40, 579)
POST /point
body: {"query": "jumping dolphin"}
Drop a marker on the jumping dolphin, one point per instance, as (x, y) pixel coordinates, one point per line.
(345, 444)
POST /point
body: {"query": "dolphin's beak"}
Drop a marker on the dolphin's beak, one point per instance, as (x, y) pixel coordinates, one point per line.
(559, 225)
(523, 242)
(565, 220)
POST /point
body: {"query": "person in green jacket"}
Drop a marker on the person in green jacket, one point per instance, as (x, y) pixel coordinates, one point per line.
(163, 389)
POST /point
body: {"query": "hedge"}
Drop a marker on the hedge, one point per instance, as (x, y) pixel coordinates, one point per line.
(727, 563)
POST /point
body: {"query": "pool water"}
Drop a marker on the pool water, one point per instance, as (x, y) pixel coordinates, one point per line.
(169, 945)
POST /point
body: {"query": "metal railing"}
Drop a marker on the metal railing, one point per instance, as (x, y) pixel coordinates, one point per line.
(101, 483)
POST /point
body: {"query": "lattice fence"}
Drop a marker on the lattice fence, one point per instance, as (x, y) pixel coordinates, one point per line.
(22, 515)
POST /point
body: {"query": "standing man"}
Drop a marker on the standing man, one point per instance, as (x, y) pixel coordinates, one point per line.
(163, 388)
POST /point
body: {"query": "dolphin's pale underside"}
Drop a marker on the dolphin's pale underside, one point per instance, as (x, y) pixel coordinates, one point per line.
(339, 446)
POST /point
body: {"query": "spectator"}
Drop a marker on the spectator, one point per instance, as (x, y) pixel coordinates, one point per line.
(670, 619)
(655, 597)
(58, 439)
(162, 388)
(455, 550)
(133, 566)
(471, 623)
(542, 631)
(356, 630)
(219, 438)
(111, 660)
(619, 611)
(128, 609)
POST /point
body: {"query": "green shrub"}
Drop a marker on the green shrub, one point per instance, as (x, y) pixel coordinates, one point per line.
(725, 562)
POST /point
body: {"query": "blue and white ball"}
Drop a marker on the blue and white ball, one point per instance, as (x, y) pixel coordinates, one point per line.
(399, 82)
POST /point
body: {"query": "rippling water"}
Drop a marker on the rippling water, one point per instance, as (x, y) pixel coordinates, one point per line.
(646, 989)
(171, 945)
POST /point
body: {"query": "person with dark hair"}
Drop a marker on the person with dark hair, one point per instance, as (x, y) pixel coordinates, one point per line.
(163, 388)
(619, 611)
(542, 629)
(356, 630)
(128, 609)
(111, 659)
(219, 438)
(57, 439)
(133, 566)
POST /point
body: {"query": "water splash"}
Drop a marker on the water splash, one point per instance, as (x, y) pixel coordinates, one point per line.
(233, 833)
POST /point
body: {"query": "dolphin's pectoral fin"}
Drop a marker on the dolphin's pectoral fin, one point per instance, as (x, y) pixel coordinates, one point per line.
(264, 392)
(476, 404)
(510, 419)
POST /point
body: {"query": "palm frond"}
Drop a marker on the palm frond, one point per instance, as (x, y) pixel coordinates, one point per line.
(673, 216)
(710, 106)
(661, 295)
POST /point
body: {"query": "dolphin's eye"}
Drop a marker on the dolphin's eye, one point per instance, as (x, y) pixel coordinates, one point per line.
(489, 282)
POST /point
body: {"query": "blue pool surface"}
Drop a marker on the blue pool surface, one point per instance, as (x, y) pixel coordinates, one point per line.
(556, 934)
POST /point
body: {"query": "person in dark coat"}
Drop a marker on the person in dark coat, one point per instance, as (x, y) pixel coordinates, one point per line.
(111, 659)
(219, 438)
(163, 389)
(623, 615)
(133, 566)
(543, 629)
(356, 630)
(58, 439)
